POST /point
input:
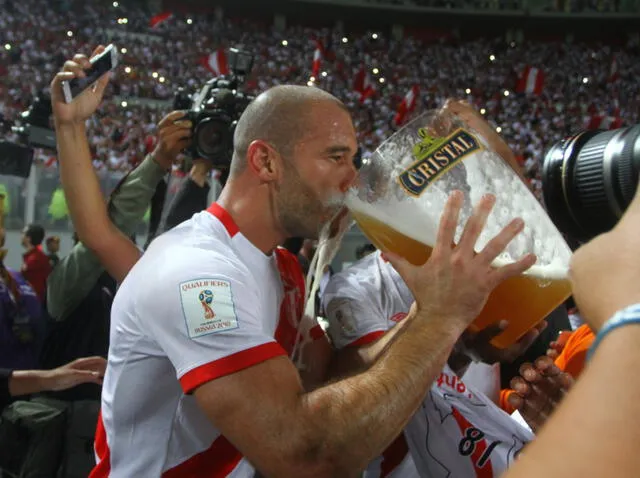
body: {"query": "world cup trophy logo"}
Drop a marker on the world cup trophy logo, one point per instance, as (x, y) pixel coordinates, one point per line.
(206, 299)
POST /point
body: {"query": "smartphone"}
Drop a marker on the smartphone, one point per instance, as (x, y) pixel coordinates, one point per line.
(100, 64)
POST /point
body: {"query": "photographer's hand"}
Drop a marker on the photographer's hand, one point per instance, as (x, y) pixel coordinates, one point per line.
(200, 171)
(174, 135)
(606, 271)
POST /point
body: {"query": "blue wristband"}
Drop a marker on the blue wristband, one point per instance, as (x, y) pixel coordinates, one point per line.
(627, 316)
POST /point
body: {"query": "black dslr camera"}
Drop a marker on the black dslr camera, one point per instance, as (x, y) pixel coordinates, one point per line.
(33, 130)
(589, 180)
(214, 111)
(34, 124)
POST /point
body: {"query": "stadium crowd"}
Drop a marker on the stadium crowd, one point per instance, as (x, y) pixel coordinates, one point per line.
(57, 323)
(581, 81)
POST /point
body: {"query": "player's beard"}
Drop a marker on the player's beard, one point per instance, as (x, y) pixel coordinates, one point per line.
(300, 212)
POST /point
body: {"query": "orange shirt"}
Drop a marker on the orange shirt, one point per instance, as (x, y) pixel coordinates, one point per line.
(574, 355)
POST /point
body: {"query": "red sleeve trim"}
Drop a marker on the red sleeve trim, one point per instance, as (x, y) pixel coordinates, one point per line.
(367, 339)
(229, 364)
(316, 332)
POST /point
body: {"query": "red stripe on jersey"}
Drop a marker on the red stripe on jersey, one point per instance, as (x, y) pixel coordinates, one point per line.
(483, 470)
(225, 218)
(292, 305)
(229, 364)
(367, 339)
(393, 455)
(218, 461)
(103, 467)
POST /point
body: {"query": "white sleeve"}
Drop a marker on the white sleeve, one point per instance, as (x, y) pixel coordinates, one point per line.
(207, 319)
(354, 319)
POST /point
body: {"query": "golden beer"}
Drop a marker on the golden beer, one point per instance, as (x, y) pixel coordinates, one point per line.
(403, 187)
(524, 301)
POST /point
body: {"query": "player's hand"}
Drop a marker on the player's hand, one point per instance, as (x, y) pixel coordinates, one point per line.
(538, 390)
(174, 135)
(86, 103)
(455, 283)
(557, 346)
(200, 171)
(478, 345)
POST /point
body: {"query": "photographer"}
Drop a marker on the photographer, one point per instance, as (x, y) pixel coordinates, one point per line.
(78, 271)
(192, 197)
(79, 290)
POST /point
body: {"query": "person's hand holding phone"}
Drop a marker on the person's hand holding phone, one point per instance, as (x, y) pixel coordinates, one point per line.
(86, 103)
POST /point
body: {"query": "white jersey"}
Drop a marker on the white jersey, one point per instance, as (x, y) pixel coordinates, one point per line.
(457, 432)
(202, 303)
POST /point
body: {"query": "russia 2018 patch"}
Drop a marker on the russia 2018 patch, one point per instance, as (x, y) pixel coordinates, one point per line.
(207, 305)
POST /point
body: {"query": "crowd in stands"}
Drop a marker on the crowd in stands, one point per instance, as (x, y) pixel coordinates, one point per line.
(581, 81)
(568, 6)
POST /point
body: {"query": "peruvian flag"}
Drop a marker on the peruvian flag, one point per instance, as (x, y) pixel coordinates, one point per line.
(150, 143)
(407, 105)
(604, 122)
(531, 81)
(318, 54)
(362, 84)
(159, 18)
(216, 62)
(50, 162)
(614, 73)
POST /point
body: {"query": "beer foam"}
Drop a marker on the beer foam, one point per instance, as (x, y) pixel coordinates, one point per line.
(381, 196)
(422, 226)
(487, 173)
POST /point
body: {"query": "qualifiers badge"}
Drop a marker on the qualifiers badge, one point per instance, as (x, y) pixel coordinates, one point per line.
(208, 306)
(435, 156)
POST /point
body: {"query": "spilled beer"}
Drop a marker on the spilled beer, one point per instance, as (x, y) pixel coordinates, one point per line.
(401, 194)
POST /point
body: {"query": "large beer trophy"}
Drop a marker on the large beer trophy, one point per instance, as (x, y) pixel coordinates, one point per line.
(401, 194)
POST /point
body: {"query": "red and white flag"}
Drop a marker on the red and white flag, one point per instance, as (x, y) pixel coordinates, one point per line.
(614, 73)
(531, 81)
(50, 161)
(407, 105)
(150, 143)
(362, 84)
(159, 18)
(216, 62)
(604, 122)
(318, 55)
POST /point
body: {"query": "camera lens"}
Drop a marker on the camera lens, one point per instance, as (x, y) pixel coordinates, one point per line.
(589, 179)
(212, 138)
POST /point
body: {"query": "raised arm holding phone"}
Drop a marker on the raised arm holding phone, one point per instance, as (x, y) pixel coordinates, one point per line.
(84, 197)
